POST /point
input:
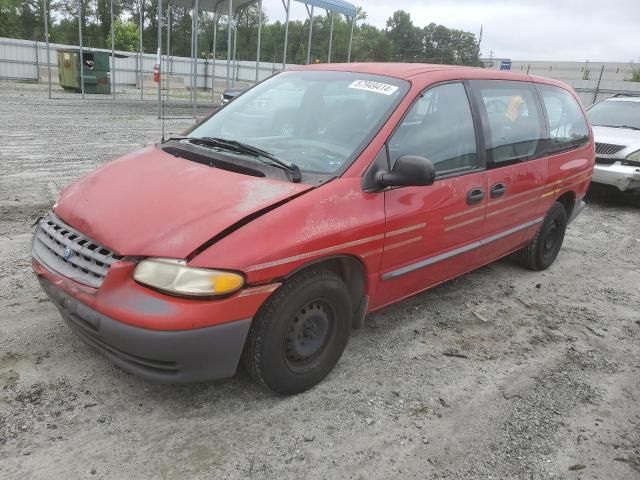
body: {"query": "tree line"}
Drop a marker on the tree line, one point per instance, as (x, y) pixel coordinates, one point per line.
(400, 41)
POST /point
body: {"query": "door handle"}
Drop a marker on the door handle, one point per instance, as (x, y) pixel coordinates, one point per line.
(475, 196)
(498, 190)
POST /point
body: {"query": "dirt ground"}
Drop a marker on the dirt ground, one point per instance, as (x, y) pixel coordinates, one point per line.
(543, 383)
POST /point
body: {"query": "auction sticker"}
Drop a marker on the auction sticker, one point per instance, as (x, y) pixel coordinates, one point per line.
(376, 87)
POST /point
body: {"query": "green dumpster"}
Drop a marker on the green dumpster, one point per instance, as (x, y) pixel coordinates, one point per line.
(96, 70)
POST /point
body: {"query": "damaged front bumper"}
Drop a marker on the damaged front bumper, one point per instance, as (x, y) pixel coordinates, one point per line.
(623, 177)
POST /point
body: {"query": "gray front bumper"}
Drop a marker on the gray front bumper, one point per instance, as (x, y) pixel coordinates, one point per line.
(164, 356)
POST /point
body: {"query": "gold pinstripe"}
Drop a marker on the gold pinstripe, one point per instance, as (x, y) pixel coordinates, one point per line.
(462, 224)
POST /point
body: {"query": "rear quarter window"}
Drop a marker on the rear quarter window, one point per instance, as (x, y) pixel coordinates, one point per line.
(568, 127)
(513, 120)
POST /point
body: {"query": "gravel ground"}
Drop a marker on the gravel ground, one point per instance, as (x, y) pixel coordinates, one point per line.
(546, 384)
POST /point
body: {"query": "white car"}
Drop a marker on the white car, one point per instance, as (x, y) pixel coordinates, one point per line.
(616, 129)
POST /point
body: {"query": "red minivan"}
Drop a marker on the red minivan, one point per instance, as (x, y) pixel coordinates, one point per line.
(271, 228)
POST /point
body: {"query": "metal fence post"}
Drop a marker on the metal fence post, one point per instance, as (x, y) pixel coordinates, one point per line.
(113, 54)
(310, 34)
(35, 43)
(595, 94)
(46, 37)
(80, 41)
(159, 58)
(168, 86)
(213, 66)
(196, 24)
(141, 54)
(259, 38)
(286, 34)
(330, 36)
(230, 20)
(353, 20)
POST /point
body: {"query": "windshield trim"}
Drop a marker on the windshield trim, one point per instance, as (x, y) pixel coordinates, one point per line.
(404, 88)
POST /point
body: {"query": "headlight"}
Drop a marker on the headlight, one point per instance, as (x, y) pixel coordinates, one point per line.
(634, 157)
(174, 276)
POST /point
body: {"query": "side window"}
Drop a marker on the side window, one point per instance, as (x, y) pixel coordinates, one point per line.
(514, 120)
(439, 126)
(567, 125)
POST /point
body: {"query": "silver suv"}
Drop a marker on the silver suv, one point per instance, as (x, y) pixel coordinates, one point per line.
(616, 128)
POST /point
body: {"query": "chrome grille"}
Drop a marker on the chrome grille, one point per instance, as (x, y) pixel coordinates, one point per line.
(64, 250)
(608, 148)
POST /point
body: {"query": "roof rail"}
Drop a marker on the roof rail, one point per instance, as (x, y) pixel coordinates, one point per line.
(627, 94)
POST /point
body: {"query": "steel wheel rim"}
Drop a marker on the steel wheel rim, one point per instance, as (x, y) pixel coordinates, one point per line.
(308, 334)
(551, 237)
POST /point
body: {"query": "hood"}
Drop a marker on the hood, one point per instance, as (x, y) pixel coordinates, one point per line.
(233, 92)
(151, 203)
(626, 137)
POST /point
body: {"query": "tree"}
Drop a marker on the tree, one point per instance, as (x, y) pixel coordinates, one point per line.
(125, 36)
(10, 15)
(401, 40)
(404, 36)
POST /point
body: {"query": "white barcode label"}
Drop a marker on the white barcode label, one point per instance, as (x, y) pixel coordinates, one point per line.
(376, 87)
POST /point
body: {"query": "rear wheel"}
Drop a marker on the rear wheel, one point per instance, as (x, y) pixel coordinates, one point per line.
(298, 336)
(544, 248)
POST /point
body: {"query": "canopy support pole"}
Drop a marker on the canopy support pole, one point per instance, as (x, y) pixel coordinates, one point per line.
(330, 36)
(213, 66)
(113, 54)
(196, 24)
(310, 33)
(230, 16)
(46, 37)
(236, 21)
(259, 38)
(286, 34)
(353, 20)
(141, 62)
(80, 41)
(191, 54)
(168, 77)
(159, 58)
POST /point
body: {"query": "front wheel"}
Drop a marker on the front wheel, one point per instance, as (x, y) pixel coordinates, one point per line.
(544, 248)
(299, 334)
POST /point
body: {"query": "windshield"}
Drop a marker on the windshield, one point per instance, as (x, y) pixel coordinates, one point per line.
(317, 120)
(615, 114)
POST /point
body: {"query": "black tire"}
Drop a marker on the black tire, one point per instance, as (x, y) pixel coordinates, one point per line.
(544, 248)
(299, 334)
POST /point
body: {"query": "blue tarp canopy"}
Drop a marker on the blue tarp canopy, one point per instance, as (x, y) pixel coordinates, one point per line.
(339, 6)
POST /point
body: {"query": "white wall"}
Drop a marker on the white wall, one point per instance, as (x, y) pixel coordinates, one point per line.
(19, 60)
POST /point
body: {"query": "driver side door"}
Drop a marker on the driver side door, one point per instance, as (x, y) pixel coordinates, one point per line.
(433, 232)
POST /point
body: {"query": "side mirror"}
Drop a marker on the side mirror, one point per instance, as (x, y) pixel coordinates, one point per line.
(408, 171)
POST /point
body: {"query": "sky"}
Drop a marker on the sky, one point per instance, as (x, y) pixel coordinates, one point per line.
(572, 30)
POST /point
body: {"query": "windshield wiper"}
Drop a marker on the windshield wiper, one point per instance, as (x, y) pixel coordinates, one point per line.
(258, 152)
(239, 147)
(619, 126)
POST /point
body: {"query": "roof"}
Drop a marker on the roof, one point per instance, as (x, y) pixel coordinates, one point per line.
(407, 71)
(398, 70)
(222, 6)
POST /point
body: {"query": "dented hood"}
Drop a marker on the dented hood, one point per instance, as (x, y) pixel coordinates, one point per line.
(151, 203)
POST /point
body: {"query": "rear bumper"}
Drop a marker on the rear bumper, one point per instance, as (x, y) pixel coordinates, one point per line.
(623, 177)
(176, 356)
